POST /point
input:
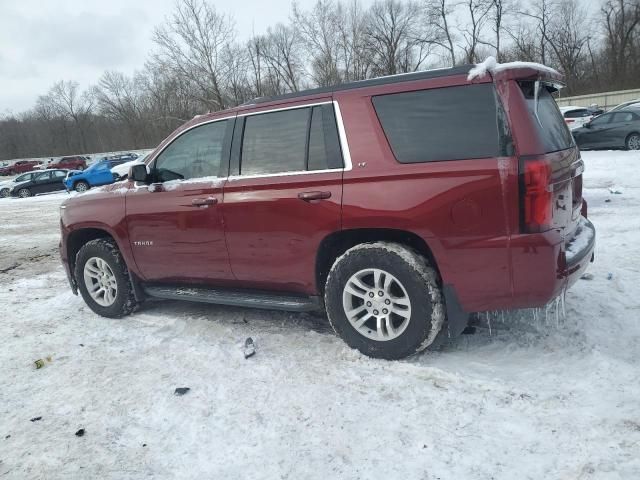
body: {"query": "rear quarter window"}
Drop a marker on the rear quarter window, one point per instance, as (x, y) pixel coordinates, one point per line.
(451, 123)
(546, 119)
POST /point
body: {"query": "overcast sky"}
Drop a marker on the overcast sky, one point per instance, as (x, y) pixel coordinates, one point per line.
(43, 41)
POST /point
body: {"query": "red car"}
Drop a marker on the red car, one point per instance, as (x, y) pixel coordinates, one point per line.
(75, 162)
(21, 166)
(399, 204)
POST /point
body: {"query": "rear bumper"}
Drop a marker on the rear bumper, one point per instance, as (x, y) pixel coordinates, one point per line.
(578, 253)
(544, 265)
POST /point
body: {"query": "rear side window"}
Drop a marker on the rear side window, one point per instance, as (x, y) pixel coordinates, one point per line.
(547, 119)
(290, 141)
(622, 117)
(577, 113)
(451, 123)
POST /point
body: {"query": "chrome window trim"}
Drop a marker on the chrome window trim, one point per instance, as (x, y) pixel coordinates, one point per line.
(342, 135)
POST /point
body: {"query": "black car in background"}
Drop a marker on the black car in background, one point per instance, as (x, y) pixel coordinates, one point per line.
(45, 182)
(619, 129)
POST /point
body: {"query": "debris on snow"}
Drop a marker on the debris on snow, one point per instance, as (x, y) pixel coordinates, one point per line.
(39, 363)
(616, 190)
(492, 66)
(35, 419)
(80, 432)
(181, 391)
(610, 276)
(587, 276)
(249, 348)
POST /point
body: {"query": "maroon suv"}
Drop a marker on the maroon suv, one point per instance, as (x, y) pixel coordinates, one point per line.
(399, 204)
(75, 162)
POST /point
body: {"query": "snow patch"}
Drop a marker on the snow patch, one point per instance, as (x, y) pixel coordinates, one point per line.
(584, 235)
(492, 66)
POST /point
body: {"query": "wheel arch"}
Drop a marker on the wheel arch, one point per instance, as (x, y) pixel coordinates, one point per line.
(337, 243)
(626, 139)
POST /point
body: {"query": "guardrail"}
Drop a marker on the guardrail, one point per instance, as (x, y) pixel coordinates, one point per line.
(606, 100)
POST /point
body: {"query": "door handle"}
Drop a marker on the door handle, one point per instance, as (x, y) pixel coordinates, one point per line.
(308, 196)
(201, 202)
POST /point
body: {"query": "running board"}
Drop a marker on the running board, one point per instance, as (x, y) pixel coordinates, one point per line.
(236, 298)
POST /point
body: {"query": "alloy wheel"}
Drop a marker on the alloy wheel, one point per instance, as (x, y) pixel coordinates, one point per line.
(100, 281)
(376, 304)
(633, 143)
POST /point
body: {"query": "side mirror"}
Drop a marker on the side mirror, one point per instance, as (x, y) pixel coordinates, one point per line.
(138, 173)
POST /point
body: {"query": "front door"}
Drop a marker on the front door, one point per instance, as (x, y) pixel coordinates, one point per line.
(175, 224)
(284, 196)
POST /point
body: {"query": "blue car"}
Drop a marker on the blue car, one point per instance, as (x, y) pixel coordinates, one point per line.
(97, 174)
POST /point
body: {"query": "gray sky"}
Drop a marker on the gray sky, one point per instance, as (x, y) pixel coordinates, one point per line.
(44, 41)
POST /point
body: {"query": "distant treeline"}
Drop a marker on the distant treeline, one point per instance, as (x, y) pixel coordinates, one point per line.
(198, 65)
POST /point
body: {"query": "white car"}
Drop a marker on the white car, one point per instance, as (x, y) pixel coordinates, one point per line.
(576, 117)
(122, 171)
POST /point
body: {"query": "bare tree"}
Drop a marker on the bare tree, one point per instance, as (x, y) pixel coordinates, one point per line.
(320, 34)
(281, 53)
(478, 13)
(621, 24)
(439, 14)
(397, 41)
(191, 45)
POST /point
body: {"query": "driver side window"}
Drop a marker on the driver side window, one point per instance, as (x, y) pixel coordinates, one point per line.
(196, 153)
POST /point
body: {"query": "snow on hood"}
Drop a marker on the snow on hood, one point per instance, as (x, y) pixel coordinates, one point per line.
(492, 66)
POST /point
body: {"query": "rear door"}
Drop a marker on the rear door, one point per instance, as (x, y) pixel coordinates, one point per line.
(175, 224)
(284, 195)
(620, 127)
(41, 183)
(598, 132)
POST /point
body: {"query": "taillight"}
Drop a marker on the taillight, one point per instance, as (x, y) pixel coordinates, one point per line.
(536, 195)
(569, 120)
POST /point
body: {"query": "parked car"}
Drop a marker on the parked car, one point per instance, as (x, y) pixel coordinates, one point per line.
(576, 117)
(619, 129)
(7, 185)
(398, 204)
(21, 166)
(625, 105)
(75, 162)
(42, 182)
(122, 157)
(97, 174)
(120, 172)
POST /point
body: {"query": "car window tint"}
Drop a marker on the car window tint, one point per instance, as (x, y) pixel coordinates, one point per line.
(274, 142)
(442, 123)
(622, 117)
(601, 120)
(23, 178)
(59, 174)
(196, 153)
(576, 113)
(324, 144)
(43, 176)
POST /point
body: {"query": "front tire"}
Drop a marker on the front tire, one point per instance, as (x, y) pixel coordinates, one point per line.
(103, 279)
(4, 193)
(385, 300)
(633, 142)
(81, 186)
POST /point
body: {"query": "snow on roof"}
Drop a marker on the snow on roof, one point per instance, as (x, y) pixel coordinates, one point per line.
(491, 65)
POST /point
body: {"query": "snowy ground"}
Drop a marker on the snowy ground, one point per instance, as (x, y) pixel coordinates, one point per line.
(534, 400)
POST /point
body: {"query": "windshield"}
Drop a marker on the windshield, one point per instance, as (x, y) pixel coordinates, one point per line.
(547, 119)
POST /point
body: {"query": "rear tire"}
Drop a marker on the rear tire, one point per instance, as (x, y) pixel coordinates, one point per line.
(24, 193)
(633, 141)
(100, 268)
(384, 300)
(4, 193)
(81, 186)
